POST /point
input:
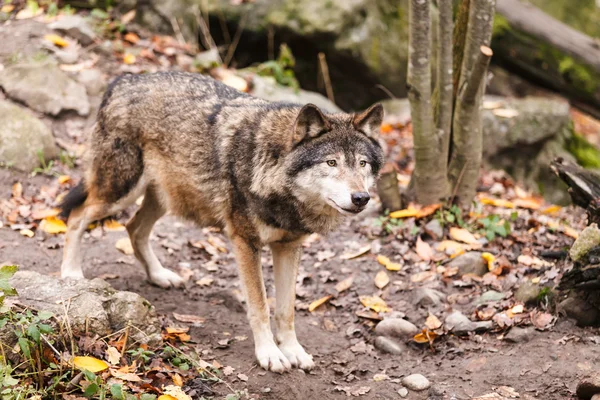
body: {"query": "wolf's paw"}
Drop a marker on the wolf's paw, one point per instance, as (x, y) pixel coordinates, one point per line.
(297, 356)
(71, 274)
(165, 278)
(272, 359)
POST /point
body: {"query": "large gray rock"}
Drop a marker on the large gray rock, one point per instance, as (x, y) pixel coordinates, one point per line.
(45, 88)
(22, 136)
(92, 305)
(587, 240)
(76, 27)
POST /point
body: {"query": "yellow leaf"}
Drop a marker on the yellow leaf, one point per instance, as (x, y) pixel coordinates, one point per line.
(570, 232)
(406, 213)
(532, 203)
(425, 336)
(451, 247)
(124, 246)
(113, 226)
(45, 213)
(27, 232)
(64, 179)
(360, 252)
(551, 210)
(177, 380)
(166, 397)
(128, 58)
(344, 285)
(57, 40)
(433, 322)
(318, 303)
(496, 202)
(174, 392)
(463, 235)
(382, 279)
(428, 210)
(518, 309)
(375, 303)
(7, 8)
(53, 225)
(91, 364)
(131, 37)
(490, 258)
(388, 264)
(537, 279)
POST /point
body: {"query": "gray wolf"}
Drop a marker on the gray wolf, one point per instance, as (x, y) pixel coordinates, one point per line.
(266, 173)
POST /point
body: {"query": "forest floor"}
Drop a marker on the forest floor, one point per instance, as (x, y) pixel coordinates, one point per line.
(345, 272)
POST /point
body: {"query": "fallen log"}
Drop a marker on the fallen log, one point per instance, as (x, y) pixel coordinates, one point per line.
(534, 44)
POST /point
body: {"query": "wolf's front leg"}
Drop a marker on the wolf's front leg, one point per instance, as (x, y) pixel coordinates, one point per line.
(248, 259)
(286, 259)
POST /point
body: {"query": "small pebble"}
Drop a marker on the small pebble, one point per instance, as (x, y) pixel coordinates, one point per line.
(519, 335)
(396, 327)
(416, 382)
(403, 392)
(388, 345)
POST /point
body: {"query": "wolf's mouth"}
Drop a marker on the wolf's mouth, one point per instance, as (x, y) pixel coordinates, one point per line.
(343, 210)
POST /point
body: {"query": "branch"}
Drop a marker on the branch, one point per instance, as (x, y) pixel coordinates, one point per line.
(445, 99)
(476, 80)
(430, 183)
(458, 41)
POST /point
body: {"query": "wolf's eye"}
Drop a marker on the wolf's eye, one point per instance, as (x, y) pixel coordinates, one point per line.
(331, 163)
(363, 163)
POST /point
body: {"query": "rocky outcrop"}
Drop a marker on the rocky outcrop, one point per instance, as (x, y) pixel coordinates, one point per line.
(23, 137)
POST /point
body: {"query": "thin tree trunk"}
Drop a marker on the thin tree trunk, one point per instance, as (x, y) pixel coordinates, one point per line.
(458, 41)
(430, 178)
(444, 98)
(387, 188)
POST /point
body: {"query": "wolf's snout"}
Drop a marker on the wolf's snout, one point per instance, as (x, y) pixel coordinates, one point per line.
(360, 199)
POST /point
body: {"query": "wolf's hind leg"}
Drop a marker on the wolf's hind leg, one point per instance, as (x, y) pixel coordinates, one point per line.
(139, 228)
(286, 259)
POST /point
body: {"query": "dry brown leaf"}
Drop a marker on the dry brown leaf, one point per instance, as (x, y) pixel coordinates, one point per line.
(113, 356)
(382, 279)
(53, 225)
(363, 250)
(542, 320)
(425, 336)
(128, 17)
(45, 213)
(317, 303)
(424, 250)
(190, 319)
(131, 37)
(113, 225)
(531, 203)
(176, 392)
(344, 285)
(406, 213)
(125, 376)
(375, 303)
(422, 276)
(388, 264)
(17, 190)
(496, 202)
(432, 322)
(450, 247)
(463, 235)
(206, 281)
(124, 246)
(177, 380)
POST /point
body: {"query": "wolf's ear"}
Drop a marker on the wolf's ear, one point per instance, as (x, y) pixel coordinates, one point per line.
(369, 121)
(310, 123)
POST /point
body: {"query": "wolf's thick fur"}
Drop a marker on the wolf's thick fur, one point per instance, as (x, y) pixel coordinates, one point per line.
(267, 173)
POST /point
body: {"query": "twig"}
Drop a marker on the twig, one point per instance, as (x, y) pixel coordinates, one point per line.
(476, 80)
(236, 41)
(208, 39)
(326, 77)
(386, 90)
(177, 30)
(125, 340)
(51, 347)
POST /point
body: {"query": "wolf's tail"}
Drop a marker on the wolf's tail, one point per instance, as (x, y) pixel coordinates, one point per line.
(73, 199)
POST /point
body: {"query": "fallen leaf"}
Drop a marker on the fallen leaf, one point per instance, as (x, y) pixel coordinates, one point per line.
(380, 377)
(131, 37)
(166, 397)
(552, 209)
(53, 225)
(190, 319)
(406, 213)
(56, 40)
(91, 364)
(128, 58)
(125, 376)
(113, 356)
(424, 250)
(363, 250)
(422, 276)
(113, 226)
(64, 179)
(177, 380)
(243, 377)
(17, 190)
(176, 392)
(531, 261)
(45, 213)
(496, 202)
(505, 112)
(490, 258)
(128, 17)
(382, 279)
(124, 246)
(507, 391)
(27, 232)
(432, 322)
(425, 336)
(463, 235)
(531, 203)
(344, 285)
(567, 230)
(317, 303)
(450, 247)
(428, 210)
(388, 264)
(542, 320)
(7, 8)
(206, 281)
(375, 303)
(518, 309)
(228, 370)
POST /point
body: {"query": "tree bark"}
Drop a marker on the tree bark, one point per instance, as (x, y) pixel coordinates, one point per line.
(458, 41)
(532, 43)
(387, 188)
(444, 93)
(465, 159)
(430, 179)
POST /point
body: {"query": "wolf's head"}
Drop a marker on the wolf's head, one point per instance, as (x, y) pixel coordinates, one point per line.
(335, 158)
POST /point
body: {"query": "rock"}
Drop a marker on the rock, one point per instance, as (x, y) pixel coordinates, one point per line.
(22, 136)
(416, 382)
(396, 327)
(459, 324)
(208, 59)
(44, 88)
(66, 57)
(519, 335)
(265, 87)
(403, 392)
(388, 345)
(76, 27)
(429, 297)
(490, 296)
(94, 306)
(528, 292)
(94, 81)
(589, 387)
(587, 240)
(580, 310)
(434, 229)
(470, 263)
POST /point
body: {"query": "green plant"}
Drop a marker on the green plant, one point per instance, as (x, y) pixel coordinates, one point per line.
(6, 272)
(389, 225)
(67, 159)
(450, 216)
(281, 69)
(142, 355)
(46, 167)
(493, 226)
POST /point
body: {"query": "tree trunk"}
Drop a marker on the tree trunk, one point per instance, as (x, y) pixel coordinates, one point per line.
(429, 175)
(530, 42)
(444, 98)
(465, 160)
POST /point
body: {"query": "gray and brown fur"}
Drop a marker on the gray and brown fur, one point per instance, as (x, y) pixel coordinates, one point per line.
(206, 152)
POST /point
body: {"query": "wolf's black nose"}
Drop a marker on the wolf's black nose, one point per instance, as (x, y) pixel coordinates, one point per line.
(360, 199)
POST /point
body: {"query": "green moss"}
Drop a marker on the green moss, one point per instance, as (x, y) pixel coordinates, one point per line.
(501, 26)
(374, 54)
(578, 74)
(586, 154)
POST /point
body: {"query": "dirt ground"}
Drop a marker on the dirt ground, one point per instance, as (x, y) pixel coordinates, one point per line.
(548, 366)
